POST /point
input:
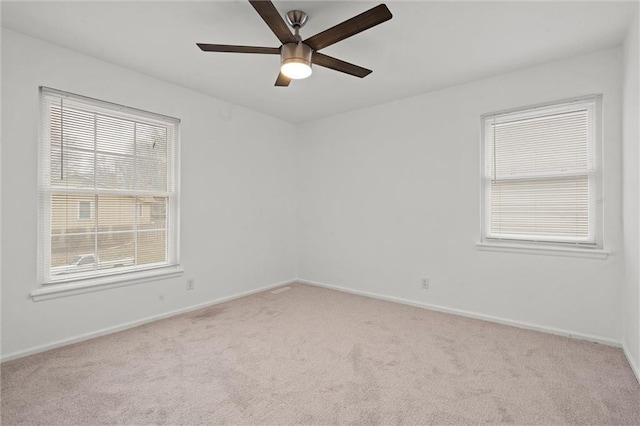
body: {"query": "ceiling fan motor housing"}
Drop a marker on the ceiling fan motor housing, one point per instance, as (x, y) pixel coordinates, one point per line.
(295, 54)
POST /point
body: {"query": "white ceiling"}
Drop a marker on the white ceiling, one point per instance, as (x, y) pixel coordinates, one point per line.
(426, 46)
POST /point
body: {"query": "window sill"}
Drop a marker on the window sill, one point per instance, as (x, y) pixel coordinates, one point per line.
(53, 291)
(543, 250)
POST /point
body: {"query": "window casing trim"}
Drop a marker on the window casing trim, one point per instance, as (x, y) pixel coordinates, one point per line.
(80, 286)
(541, 249)
(47, 285)
(596, 243)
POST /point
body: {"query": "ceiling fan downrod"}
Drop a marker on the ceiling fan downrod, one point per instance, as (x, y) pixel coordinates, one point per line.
(296, 20)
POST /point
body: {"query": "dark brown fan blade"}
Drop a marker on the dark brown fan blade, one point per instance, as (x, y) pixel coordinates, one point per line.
(270, 14)
(282, 80)
(338, 65)
(355, 25)
(238, 49)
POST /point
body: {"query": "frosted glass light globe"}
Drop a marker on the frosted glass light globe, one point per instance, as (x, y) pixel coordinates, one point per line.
(296, 70)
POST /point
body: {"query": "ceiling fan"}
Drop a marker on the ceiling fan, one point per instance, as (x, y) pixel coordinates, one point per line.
(297, 55)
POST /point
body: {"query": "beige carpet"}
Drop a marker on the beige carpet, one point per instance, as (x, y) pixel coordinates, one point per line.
(311, 355)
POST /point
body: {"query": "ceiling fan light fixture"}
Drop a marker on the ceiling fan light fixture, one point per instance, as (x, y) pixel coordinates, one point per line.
(296, 70)
(297, 55)
(296, 60)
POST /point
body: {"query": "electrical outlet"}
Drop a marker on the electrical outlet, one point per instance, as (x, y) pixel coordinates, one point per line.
(425, 283)
(191, 284)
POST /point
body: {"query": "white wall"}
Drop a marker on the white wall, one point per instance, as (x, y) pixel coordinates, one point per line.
(631, 197)
(391, 193)
(238, 207)
(385, 195)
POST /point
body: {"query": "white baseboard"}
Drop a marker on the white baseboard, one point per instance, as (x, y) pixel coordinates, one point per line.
(468, 314)
(632, 362)
(131, 324)
(504, 321)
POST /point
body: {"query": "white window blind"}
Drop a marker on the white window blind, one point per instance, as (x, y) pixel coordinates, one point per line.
(108, 189)
(541, 174)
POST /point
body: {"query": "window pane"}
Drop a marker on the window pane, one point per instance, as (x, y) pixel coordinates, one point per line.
(151, 142)
(65, 217)
(550, 144)
(155, 213)
(73, 168)
(114, 135)
(541, 208)
(116, 250)
(77, 129)
(72, 253)
(116, 213)
(151, 175)
(114, 172)
(151, 247)
(151, 152)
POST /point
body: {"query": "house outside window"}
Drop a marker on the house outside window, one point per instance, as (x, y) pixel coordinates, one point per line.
(112, 165)
(84, 209)
(541, 182)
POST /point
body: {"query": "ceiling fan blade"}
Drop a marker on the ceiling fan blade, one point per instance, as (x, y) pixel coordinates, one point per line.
(338, 65)
(282, 80)
(270, 14)
(355, 25)
(238, 49)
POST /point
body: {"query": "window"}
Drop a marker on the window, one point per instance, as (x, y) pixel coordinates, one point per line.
(541, 175)
(84, 209)
(103, 168)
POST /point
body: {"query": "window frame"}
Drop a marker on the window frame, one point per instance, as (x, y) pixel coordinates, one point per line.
(596, 190)
(79, 283)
